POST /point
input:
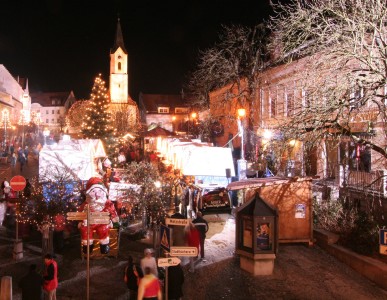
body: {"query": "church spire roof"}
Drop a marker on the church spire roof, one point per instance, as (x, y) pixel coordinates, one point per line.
(119, 41)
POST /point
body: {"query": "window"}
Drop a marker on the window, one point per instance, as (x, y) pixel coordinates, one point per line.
(52, 120)
(163, 110)
(356, 98)
(58, 111)
(119, 66)
(181, 110)
(46, 111)
(289, 102)
(359, 156)
(46, 121)
(53, 101)
(53, 112)
(265, 103)
(273, 103)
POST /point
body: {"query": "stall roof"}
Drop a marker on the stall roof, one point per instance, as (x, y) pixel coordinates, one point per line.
(260, 182)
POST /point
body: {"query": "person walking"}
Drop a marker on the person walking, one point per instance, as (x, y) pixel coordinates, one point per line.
(21, 158)
(175, 282)
(149, 288)
(31, 285)
(193, 240)
(132, 277)
(26, 152)
(202, 226)
(50, 277)
(150, 262)
(178, 236)
(13, 159)
(46, 228)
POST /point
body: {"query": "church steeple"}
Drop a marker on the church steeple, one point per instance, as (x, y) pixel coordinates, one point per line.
(119, 40)
(119, 80)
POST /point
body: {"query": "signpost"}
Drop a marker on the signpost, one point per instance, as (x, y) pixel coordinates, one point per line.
(184, 251)
(168, 261)
(165, 237)
(92, 218)
(95, 217)
(18, 183)
(177, 222)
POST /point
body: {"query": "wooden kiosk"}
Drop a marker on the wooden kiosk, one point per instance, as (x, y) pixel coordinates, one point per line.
(257, 236)
(291, 198)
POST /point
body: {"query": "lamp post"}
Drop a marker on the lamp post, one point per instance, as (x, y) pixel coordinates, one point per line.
(46, 133)
(242, 163)
(193, 117)
(173, 123)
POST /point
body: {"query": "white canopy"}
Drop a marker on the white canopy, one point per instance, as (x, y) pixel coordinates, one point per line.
(195, 158)
(208, 161)
(75, 156)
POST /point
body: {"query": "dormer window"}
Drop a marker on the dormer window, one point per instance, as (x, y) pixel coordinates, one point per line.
(163, 110)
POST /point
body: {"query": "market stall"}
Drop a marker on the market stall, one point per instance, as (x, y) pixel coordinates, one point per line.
(78, 157)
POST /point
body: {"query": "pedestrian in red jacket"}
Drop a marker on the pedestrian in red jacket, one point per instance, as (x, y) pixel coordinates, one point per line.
(193, 240)
(50, 277)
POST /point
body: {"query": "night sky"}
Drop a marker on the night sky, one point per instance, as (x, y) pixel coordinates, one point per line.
(61, 45)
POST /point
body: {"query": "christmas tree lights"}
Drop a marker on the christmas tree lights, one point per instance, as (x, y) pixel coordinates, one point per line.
(97, 122)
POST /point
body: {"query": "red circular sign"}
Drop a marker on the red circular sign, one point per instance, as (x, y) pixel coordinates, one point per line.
(18, 183)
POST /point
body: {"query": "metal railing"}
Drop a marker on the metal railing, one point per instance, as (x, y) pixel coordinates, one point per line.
(375, 181)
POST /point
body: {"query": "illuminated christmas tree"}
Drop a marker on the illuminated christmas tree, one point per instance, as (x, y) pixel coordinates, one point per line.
(48, 198)
(153, 196)
(97, 123)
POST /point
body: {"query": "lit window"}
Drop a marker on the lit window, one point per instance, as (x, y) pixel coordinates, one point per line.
(163, 110)
(181, 110)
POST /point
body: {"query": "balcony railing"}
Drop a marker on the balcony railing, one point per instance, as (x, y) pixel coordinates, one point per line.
(374, 181)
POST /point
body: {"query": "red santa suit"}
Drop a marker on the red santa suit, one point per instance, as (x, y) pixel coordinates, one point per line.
(97, 201)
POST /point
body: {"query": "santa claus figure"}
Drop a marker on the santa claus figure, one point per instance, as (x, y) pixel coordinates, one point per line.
(97, 201)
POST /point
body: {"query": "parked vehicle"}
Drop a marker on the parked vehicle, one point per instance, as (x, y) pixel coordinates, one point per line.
(215, 200)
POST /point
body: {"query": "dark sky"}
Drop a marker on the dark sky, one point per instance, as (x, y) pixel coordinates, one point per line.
(61, 45)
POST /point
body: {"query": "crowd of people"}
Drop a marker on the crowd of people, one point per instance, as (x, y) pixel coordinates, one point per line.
(145, 280)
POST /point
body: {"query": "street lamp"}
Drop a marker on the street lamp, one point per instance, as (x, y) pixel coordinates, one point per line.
(46, 133)
(242, 163)
(173, 123)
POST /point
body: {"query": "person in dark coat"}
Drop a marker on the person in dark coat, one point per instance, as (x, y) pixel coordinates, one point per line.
(202, 226)
(175, 282)
(21, 158)
(133, 274)
(178, 236)
(32, 285)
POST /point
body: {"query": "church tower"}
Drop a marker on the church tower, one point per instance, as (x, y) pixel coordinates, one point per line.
(124, 111)
(118, 81)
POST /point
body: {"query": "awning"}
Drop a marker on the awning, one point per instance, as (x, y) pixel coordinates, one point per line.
(260, 182)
